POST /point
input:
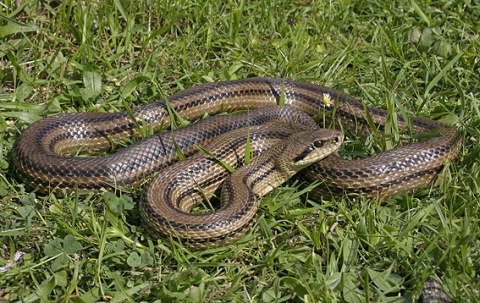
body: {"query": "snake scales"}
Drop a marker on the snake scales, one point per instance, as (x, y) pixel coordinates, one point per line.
(39, 160)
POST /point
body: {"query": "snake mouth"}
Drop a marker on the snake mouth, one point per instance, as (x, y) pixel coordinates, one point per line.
(306, 152)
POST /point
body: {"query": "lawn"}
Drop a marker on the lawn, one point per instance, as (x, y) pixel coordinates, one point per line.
(413, 58)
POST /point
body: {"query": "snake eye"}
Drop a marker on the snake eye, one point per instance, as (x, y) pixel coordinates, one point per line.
(318, 143)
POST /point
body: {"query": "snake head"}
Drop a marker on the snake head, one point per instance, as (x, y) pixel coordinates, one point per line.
(313, 146)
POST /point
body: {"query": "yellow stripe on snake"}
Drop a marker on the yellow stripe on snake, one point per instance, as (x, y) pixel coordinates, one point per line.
(39, 159)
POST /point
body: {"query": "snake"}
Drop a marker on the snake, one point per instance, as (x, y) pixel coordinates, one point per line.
(41, 153)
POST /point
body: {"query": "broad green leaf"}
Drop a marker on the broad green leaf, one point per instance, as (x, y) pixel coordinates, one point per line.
(11, 29)
(134, 260)
(132, 85)
(92, 79)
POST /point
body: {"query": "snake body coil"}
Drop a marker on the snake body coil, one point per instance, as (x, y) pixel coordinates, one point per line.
(281, 151)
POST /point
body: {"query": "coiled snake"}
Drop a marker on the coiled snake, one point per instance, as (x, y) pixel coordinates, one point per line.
(38, 154)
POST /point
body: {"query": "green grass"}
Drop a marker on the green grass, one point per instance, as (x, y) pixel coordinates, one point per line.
(417, 58)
